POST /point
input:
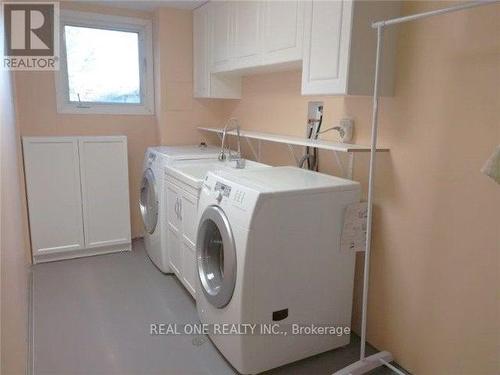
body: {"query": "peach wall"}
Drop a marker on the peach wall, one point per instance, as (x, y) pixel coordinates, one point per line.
(14, 242)
(435, 286)
(177, 112)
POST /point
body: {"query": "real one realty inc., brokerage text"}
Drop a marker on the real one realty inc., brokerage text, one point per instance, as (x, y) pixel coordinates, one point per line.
(167, 329)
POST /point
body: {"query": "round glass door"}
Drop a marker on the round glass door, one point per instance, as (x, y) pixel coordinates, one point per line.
(148, 201)
(216, 257)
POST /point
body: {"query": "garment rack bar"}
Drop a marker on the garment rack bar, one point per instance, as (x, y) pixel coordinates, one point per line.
(431, 13)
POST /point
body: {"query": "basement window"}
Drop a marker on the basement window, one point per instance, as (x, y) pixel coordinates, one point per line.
(106, 65)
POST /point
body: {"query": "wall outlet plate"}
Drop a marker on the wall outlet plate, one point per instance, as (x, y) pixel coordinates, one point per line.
(346, 126)
(314, 114)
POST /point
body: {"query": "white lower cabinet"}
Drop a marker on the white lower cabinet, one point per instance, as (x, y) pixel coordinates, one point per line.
(78, 197)
(104, 182)
(52, 170)
(189, 268)
(173, 228)
(181, 233)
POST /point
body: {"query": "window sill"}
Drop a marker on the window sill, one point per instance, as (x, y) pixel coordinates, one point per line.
(105, 109)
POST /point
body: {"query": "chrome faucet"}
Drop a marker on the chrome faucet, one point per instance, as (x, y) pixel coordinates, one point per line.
(232, 124)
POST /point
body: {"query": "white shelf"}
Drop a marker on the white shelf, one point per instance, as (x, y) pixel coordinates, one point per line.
(297, 141)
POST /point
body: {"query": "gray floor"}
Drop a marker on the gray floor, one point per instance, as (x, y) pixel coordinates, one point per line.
(92, 316)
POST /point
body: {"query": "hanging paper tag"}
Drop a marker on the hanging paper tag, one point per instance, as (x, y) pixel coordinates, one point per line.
(354, 231)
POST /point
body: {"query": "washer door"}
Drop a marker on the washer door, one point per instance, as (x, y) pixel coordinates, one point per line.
(216, 257)
(148, 201)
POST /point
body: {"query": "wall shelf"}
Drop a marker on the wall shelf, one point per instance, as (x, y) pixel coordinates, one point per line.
(296, 141)
(345, 168)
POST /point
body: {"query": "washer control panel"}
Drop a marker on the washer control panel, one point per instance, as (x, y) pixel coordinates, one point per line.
(229, 194)
(223, 188)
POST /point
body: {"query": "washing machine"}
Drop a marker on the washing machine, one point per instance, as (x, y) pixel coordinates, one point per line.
(152, 195)
(268, 254)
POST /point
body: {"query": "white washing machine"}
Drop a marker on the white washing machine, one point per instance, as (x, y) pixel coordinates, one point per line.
(268, 252)
(152, 194)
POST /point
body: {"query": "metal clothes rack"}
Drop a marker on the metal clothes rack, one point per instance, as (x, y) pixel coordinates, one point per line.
(384, 358)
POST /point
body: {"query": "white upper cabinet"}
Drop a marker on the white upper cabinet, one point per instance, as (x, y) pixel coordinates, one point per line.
(340, 46)
(282, 31)
(211, 52)
(246, 48)
(232, 38)
(326, 49)
(220, 22)
(201, 69)
(263, 33)
(333, 41)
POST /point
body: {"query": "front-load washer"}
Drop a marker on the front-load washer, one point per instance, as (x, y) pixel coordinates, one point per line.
(268, 253)
(152, 196)
(183, 183)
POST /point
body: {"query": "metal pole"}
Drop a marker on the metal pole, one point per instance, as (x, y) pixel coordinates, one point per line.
(414, 17)
(373, 153)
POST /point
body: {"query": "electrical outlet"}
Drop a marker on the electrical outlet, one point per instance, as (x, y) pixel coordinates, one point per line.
(346, 125)
(314, 115)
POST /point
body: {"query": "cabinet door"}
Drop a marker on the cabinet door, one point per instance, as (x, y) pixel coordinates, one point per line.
(246, 42)
(201, 74)
(54, 198)
(221, 23)
(104, 173)
(283, 31)
(189, 269)
(211, 53)
(327, 40)
(174, 230)
(189, 206)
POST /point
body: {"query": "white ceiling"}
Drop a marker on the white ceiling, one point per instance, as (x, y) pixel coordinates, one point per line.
(150, 5)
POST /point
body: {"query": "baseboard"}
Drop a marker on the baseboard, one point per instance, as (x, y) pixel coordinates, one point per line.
(42, 258)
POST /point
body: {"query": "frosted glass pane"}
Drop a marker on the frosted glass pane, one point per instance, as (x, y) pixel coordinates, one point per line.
(103, 65)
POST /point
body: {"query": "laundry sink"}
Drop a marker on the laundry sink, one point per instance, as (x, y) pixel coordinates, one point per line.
(192, 172)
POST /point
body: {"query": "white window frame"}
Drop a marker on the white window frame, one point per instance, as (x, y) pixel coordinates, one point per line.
(106, 22)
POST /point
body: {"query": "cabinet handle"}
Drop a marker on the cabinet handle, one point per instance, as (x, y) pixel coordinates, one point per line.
(176, 207)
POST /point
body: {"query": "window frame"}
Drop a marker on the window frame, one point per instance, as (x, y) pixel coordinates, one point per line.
(143, 27)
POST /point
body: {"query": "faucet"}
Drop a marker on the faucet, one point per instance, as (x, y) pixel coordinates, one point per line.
(232, 124)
